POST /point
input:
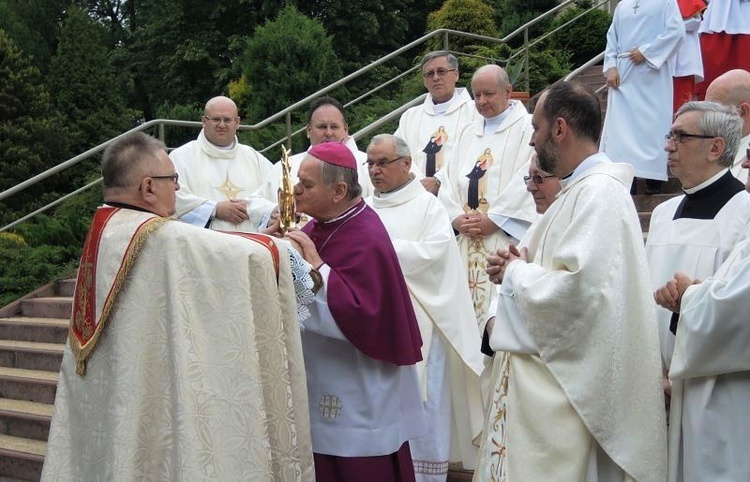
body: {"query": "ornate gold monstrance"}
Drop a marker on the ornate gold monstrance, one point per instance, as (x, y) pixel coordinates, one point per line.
(287, 208)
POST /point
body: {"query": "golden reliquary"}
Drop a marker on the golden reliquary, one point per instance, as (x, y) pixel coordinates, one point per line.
(287, 208)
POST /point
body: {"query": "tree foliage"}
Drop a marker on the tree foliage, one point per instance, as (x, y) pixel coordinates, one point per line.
(585, 38)
(85, 88)
(286, 60)
(472, 16)
(511, 14)
(31, 136)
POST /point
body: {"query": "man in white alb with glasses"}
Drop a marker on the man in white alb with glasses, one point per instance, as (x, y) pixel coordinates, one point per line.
(431, 129)
(218, 175)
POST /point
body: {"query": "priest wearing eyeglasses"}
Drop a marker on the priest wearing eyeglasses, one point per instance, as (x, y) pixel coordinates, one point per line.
(219, 176)
(184, 359)
(431, 129)
(694, 234)
(428, 254)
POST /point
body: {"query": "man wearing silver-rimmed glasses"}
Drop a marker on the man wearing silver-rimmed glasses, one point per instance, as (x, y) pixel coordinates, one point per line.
(694, 234)
(431, 129)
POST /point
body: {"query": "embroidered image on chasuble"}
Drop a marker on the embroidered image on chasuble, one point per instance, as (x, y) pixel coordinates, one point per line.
(434, 151)
(485, 175)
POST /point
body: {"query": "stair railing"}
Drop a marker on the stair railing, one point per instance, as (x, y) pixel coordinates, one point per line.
(286, 114)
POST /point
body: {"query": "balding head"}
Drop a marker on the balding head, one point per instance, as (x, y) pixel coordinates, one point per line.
(733, 88)
(220, 121)
(491, 89)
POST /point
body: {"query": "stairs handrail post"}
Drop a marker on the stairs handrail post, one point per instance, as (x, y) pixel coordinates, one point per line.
(445, 41)
(526, 74)
(288, 118)
(161, 132)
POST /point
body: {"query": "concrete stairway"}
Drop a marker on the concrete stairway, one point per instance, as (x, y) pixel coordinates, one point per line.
(32, 336)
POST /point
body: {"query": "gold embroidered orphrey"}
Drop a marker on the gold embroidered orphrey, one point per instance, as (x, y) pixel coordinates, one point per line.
(85, 329)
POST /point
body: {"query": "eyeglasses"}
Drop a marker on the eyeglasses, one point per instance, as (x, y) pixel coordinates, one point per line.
(219, 120)
(538, 179)
(380, 164)
(440, 73)
(174, 177)
(680, 137)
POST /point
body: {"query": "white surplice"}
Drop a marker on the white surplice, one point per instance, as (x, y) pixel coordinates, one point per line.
(421, 123)
(452, 361)
(502, 191)
(198, 373)
(209, 174)
(728, 16)
(583, 384)
(270, 187)
(639, 111)
(696, 247)
(712, 360)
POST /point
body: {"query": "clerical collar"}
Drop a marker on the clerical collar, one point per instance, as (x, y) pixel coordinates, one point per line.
(351, 211)
(590, 161)
(227, 147)
(492, 124)
(706, 183)
(384, 195)
(442, 107)
(127, 206)
(708, 198)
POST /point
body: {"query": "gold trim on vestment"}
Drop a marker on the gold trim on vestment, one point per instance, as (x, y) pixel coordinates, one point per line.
(82, 351)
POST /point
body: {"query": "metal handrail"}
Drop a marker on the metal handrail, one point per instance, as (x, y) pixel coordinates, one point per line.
(159, 124)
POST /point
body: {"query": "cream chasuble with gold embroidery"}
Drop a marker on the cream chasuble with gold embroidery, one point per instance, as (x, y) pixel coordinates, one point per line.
(486, 175)
(197, 373)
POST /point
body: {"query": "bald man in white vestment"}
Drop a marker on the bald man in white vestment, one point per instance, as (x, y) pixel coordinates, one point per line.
(584, 397)
(484, 192)
(219, 175)
(733, 88)
(428, 254)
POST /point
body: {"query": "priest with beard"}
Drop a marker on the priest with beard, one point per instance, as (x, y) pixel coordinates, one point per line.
(362, 341)
(584, 394)
(428, 254)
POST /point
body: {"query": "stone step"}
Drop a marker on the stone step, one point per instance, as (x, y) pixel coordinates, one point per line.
(458, 475)
(66, 287)
(47, 330)
(21, 457)
(31, 385)
(645, 219)
(31, 355)
(20, 418)
(47, 307)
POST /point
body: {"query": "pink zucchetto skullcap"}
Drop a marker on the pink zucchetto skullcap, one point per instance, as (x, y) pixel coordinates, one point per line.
(334, 153)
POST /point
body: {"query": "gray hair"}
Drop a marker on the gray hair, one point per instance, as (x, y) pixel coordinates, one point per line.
(400, 145)
(452, 60)
(501, 76)
(717, 120)
(330, 174)
(128, 158)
